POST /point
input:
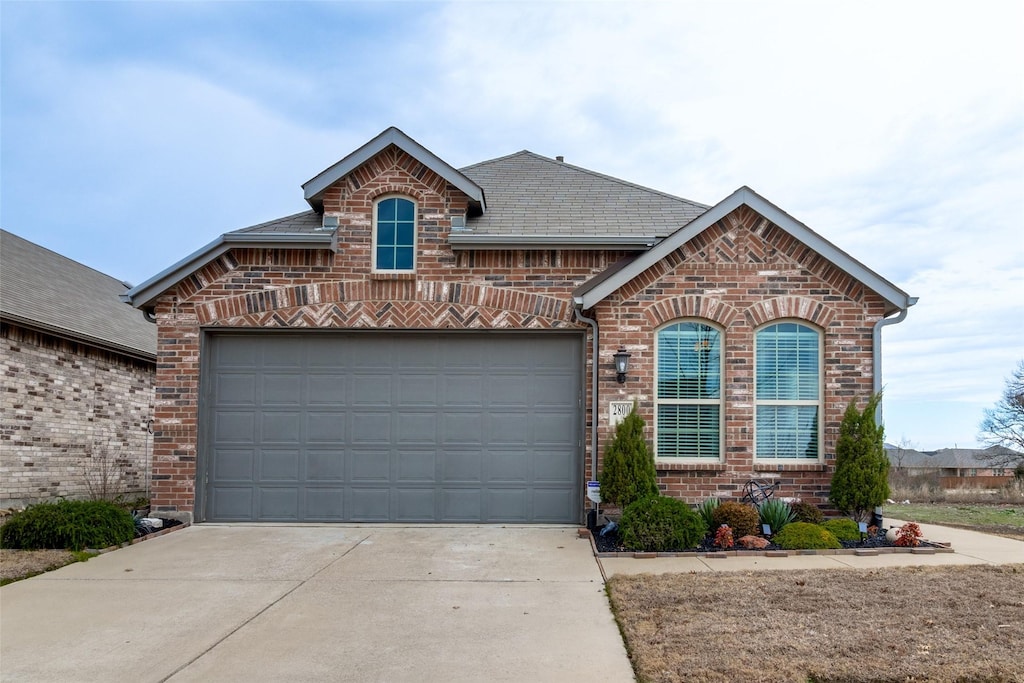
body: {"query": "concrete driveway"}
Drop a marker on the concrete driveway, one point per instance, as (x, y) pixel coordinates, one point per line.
(320, 603)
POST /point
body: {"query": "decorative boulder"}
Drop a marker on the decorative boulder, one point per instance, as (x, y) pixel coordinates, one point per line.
(752, 542)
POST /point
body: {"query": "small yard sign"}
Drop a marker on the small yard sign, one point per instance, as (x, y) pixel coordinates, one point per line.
(617, 411)
(594, 491)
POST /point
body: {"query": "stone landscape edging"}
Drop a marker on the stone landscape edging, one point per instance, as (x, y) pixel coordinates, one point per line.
(931, 549)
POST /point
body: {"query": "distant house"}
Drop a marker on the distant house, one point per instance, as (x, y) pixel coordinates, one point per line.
(78, 368)
(956, 467)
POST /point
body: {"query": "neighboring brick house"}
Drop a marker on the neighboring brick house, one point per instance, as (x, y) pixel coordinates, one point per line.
(435, 344)
(78, 369)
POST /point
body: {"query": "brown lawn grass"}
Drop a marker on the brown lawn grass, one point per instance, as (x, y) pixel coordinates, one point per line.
(961, 623)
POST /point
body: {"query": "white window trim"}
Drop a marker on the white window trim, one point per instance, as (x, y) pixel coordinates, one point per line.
(720, 401)
(415, 234)
(820, 403)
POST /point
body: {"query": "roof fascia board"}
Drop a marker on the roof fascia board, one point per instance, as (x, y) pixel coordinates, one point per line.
(895, 297)
(79, 338)
(314, 187)
(143, 294)
(482, 242)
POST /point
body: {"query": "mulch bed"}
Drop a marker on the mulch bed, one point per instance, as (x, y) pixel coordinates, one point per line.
(611, 542)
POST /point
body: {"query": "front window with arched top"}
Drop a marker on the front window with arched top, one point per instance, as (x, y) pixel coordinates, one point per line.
(394, 235)
(688, 402)
(787, 391)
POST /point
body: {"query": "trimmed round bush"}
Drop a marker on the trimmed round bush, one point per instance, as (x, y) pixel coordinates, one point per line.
(661, 524)
(843, 529)
(743, 519)
(803, 535)
(68, 524)
(806, 512)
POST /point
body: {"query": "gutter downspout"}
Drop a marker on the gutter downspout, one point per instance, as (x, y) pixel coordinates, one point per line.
(876, 352)
(593, 392)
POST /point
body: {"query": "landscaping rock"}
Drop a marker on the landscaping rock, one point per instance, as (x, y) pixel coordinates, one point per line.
(753, 542)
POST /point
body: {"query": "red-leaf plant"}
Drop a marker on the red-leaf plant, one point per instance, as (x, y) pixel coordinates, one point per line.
(723, 537)
(908, 535)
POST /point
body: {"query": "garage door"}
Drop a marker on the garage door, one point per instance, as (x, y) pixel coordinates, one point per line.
(399, 427)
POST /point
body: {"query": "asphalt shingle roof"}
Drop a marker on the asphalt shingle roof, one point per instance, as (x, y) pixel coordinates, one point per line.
(298, 223)
(42, 289)
(528, 194)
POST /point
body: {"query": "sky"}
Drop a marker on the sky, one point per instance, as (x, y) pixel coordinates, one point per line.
(134, 133)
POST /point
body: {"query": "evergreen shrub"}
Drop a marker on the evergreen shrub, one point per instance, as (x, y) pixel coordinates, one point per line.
(803, 535)
(806, 512)
(843, 529)
(628, 469)
(661, 524)
(860, 482)
(68, 524)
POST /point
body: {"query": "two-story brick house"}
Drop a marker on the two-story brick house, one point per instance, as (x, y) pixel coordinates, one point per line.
(436, 344)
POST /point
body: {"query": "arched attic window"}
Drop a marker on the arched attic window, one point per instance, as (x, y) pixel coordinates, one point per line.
(394, 235)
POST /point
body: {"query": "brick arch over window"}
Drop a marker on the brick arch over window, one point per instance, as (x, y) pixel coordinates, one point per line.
(693, 306)
(790, 307)
(410, 191)
(409, 304)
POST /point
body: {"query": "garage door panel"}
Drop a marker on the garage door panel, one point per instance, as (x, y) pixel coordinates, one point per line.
(232, 503)
(507, 504)
(464, 467)
(279, 465)
(325, 504)
(413, 427)
(462, 505)
(554, 467)
(549, 505)
(327, 389)
(236, 390)
(416, 466)
(278, 504)
(325, 465)
(370, 466)
(279, 427)
(511, 466)
(281, 390)
(230, 464)
(371, 390)
(370, 504)
(324, 427)
(415, 505)
(416, 428)
(370, 427)
(235, 426)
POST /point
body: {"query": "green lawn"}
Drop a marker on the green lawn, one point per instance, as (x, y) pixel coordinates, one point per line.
(1002, 519)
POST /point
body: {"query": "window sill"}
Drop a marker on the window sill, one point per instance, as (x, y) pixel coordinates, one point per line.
(812, 466)
(392, 276)
(689, 466)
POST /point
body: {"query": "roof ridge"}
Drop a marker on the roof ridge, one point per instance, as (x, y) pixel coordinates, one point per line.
(596, 174)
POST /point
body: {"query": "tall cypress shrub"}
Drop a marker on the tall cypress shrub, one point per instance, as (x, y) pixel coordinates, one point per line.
(861, 480)
(628, 470)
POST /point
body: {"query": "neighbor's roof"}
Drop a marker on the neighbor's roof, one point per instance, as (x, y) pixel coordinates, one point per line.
(945, 458)
(534, 201)
(43, 290)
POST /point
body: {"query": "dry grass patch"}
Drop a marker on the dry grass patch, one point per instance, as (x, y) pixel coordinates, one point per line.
(963, 623)
(21, 564)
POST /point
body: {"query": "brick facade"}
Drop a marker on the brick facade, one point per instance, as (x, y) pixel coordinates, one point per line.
(740, 274)
(75, 420)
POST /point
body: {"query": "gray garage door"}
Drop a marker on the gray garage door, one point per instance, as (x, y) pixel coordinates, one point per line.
(402, 427)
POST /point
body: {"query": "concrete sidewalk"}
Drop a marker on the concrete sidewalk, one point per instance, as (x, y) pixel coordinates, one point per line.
(316, 603)
(970, 548)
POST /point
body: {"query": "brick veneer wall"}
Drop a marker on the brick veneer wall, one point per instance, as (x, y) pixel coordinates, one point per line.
(740, 273)
(71, 413)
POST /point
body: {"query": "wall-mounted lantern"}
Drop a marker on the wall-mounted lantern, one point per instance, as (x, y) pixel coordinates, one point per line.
(621, 364)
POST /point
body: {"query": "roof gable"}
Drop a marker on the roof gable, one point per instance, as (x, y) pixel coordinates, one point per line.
(43, 290)
(599, 288)
(315, 187)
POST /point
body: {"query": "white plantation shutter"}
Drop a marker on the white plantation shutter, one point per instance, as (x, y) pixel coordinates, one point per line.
(688, 415)
(788, 391)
